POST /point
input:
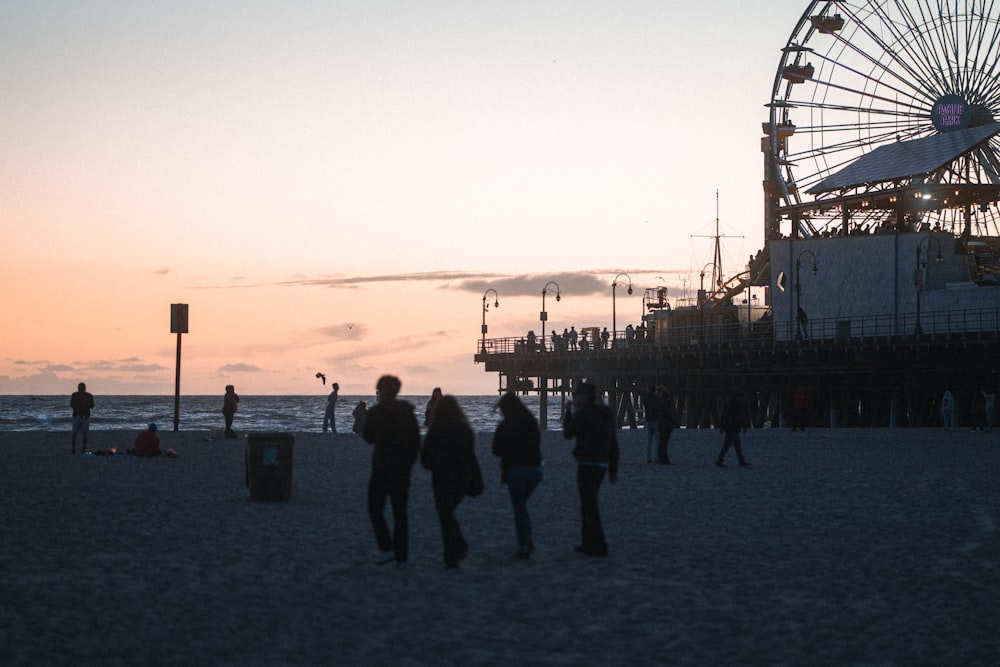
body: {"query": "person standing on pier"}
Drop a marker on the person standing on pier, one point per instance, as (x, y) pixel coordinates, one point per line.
(596, 452)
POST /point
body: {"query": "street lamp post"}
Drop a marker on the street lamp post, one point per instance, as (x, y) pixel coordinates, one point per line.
(800, 323)
(918, 278)
(486, 306)
(543, 316)
(614, 313)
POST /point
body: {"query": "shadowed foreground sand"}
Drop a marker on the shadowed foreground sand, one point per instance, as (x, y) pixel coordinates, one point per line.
(842, 547)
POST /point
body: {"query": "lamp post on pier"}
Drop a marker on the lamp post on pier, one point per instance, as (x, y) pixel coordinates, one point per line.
(800, 318)
(544, 316)
(918, 277)
(614, 311)
(486, 306)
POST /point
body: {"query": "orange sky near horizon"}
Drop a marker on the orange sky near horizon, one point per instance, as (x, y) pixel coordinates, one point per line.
(332, 187)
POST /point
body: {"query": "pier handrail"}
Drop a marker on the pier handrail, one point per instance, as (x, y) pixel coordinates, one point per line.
(952, 323)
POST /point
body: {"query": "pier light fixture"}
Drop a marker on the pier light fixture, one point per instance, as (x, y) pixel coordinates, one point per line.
(614, 311)
(544, 316)
(918, 273)
(486, 306)
(802, 321)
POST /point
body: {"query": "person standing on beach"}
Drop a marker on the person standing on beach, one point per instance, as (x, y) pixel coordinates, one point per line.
(800, 405)
(392, 428)
(668, 420)
(732, 422)
(330, 417)
(449, 452)
(596, 452)
(81, 402)
(651, 406)
(947, 410)
(517, 441)
(229, 404)
(431, 406)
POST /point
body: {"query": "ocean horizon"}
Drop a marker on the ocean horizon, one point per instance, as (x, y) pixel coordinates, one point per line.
(300, 413)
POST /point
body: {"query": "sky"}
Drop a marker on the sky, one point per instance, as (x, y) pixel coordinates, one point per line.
(333, 186)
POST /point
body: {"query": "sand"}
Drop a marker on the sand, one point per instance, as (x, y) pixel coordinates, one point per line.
(837, 547)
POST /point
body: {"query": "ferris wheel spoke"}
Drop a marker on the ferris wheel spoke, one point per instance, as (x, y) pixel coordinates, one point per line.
(915, 65)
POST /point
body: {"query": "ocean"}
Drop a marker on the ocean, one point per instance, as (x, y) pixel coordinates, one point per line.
(202, 413)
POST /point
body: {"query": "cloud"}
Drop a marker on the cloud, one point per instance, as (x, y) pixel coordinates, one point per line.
(142, 368)
(57, 368)
(239, 368)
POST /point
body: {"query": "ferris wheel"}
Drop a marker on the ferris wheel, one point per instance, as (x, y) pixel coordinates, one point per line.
(861, 87)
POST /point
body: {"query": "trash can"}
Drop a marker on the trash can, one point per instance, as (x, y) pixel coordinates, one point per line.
(269, 465)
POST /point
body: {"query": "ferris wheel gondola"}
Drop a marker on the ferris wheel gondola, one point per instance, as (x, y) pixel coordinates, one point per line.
(884, 114)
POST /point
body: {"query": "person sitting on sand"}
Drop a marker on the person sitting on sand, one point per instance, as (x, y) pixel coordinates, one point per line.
(147, 443)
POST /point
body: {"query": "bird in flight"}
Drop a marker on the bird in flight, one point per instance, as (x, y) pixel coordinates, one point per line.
(322, 377)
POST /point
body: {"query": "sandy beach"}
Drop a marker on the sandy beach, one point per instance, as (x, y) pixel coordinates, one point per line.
(837, 547)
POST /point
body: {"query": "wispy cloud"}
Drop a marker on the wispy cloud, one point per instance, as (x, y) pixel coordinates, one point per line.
(239, 368)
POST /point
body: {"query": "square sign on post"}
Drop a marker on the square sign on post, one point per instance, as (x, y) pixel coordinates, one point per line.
(178, 318)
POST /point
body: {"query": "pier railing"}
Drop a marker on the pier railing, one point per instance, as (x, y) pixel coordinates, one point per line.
(952, 324)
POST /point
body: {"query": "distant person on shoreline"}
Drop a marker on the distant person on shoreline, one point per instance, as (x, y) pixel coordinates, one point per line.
(449, 452)
(330, 416)
(734, 419)
(360, 414)
(596, 452)
(230, 402)
(81, 402)
(393, 430)
(517, 442)
(432, 403)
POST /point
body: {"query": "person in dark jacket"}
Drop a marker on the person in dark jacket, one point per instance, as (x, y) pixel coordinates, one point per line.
(392, 428)
(517, 441)
(230, 403)
(449, 452)
(732, 421)
(596, 452)
(651, 405)
(668, 420)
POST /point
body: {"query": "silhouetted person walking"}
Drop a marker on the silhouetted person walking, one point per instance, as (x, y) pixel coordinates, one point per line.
(596, 453)
(449, 452)
(392, 428)
(517, 441)
(668, 420)
(734, 419)
(81, 402)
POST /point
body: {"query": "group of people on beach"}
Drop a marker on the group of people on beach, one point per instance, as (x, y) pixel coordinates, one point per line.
(448, 452)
